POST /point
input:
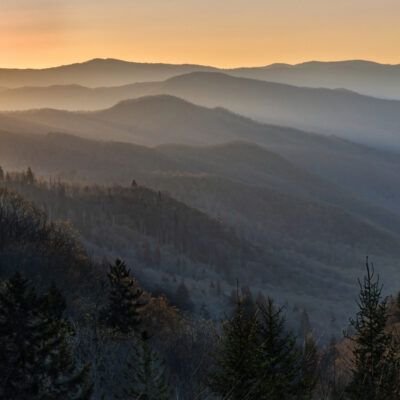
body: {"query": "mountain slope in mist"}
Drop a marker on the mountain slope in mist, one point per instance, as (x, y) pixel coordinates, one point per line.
(245, 163)
(355, 117)
(365, 77)
(367, 172)
(360, 118)
(313, 230)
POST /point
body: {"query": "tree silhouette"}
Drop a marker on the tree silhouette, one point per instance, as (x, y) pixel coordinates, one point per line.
(125, 299)
(145, 374)
(235, 361)
(376, 368)
(36, 361)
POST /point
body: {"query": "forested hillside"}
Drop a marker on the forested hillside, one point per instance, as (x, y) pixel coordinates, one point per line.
(102, 321)
(61, 309)
(166, 240)
(274, 241)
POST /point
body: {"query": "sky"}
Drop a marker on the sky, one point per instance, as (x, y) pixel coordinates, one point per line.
(41, 33)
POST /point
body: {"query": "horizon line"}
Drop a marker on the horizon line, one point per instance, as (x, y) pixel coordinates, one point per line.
(194, 64)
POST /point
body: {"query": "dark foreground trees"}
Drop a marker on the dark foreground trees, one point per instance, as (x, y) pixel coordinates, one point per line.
(376, 365)
(235, 364)
(36, 361)
(258, 359)
(145, 374)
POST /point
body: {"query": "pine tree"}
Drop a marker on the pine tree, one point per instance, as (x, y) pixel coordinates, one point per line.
(36, 361)
(145, 375)
(376, 369)
(235, 362)
(1, 174)
(125, 299)
(283, 372)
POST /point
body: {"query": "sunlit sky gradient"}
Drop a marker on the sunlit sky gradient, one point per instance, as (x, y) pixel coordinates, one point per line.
(225, 33)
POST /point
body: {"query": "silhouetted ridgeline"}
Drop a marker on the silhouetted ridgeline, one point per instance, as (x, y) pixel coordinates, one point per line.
(372, 79)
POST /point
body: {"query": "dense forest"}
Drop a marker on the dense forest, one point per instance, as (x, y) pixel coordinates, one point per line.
(75, 325)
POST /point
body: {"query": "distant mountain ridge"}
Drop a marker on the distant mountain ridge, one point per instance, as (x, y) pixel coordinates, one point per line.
(159, 120)
(94, 73)
(366, 77)
(359, 118)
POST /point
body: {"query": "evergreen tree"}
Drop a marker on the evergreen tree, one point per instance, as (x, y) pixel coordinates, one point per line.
(1, 174)
(309, 365)
(284, 371)
(182, 297)
(145, 375)
(376, 369)
(35, 359)
(125, 299)
(235, 361)
(305, 325)
(259, 360)
(29, 176)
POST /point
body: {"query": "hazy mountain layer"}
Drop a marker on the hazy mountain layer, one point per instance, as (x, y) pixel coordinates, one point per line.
(366, 172)
(360, 118)
(94, 73)
(363, 119)
(309, 233)
(365, 77)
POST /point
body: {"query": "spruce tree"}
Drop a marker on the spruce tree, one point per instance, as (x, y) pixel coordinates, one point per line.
(36, 361)
(145, 375)
(1, 174)
(284, 371)
(125, 300)
(258, 359)
(376, 371)
(235, 361)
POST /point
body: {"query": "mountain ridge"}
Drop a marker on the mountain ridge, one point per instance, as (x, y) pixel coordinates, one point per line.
(367, 77)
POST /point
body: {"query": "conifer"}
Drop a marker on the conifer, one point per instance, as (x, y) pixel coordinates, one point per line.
(279, 375)
(145, 374)
(36, 362)
(29, 176)
(235, 362)
(376, 366)
(125, 299)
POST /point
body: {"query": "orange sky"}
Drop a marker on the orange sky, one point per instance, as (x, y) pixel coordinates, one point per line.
(38, 33)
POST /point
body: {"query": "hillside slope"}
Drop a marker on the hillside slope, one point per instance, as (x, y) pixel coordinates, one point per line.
(347, 114)
(155, 120)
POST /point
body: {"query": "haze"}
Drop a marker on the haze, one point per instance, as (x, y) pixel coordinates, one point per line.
(198, 198)
(225, 33)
